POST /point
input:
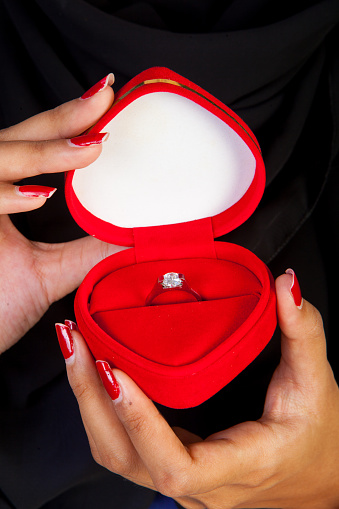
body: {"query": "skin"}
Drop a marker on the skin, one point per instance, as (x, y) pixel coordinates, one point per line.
(33, 275)
(287, 459)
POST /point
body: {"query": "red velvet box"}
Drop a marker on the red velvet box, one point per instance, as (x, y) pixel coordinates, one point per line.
(178, 170)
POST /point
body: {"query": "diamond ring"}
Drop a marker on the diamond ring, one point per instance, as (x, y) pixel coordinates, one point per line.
(170, 281)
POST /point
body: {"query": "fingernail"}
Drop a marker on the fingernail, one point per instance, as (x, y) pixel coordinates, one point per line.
(295, 289)
(65, 340)
(108, 379)
(107, 81)
(35, 191)
(86, 140)
(71, 325)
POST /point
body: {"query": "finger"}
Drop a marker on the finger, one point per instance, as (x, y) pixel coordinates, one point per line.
(64, 266)
(165, 457)
(21, 159)
(23, 198)
(68, 120)
(66, 342)
(108, 439)
(180, 471)
(303, 343)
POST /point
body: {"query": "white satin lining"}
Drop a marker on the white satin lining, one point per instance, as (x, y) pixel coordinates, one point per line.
(167, 160)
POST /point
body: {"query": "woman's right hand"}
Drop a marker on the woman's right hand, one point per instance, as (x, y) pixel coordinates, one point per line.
(33, 275)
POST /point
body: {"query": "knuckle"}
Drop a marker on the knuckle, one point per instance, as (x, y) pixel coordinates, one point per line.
(173, 485)
(124, 465)
(135, 423)
(36, 150)
(82, 391)
(58, 118)
(128, 468)
(103, 459)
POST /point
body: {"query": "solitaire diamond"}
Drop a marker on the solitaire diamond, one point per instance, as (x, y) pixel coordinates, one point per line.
(172, 280)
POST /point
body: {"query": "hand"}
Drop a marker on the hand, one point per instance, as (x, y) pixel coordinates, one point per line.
(32, 274)
(286, 459)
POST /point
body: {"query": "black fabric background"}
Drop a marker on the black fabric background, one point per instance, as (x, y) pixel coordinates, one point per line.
(276, 65)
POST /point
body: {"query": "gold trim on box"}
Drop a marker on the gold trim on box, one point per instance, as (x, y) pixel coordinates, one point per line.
(177, 84)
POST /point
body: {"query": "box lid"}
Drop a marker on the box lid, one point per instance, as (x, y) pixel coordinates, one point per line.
(175, 154)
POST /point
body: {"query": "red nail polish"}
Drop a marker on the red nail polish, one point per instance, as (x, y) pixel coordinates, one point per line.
(295, 289)
(108, 379)
(88, 139)
(35, 191)
(71, 325)
(107, 81)
(65, 340)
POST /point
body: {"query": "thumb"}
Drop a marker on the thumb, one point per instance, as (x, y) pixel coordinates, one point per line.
(303, 344)
(64, 266)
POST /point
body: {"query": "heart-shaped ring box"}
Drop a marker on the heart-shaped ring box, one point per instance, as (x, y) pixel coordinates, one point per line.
(178, 170)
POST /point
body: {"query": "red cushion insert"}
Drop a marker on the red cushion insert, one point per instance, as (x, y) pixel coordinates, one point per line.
(175, 331)
(177, 334)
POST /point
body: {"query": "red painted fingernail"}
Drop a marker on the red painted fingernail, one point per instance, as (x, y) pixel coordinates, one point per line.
(71, 325)
(107, 81)
(87, 140)
(65, 340)
(295, 289)
(108, 379)
(35, 191)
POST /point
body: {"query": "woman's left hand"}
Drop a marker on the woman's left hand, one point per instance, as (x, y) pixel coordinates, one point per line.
(286, 459)
(33, 275)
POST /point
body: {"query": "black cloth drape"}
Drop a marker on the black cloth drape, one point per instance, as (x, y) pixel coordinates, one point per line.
(276, 65)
